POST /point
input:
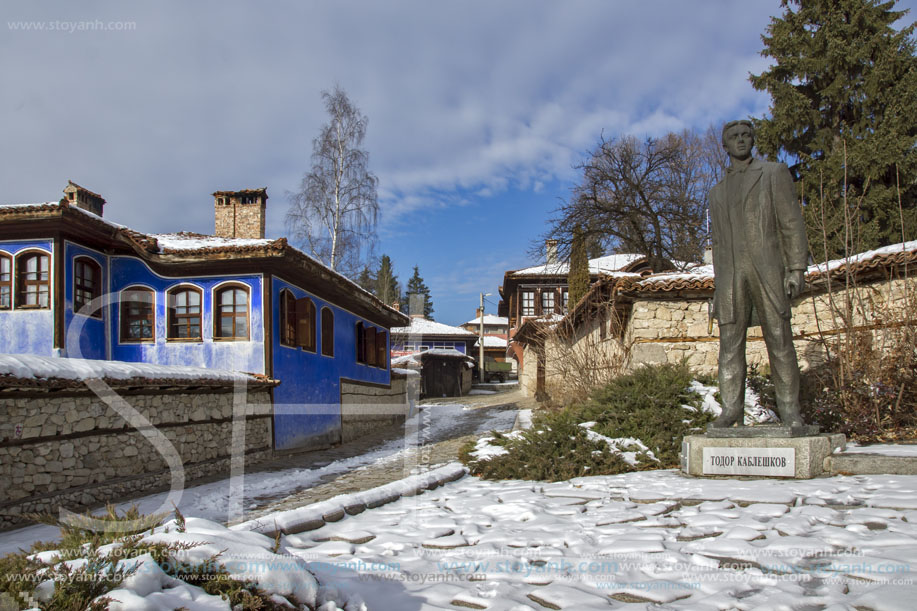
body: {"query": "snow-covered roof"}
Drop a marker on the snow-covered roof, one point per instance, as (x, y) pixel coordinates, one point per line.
(884, 254)
(491, 341)
(193, 241)
(408, 360)
(490, 319)
(198, 245)
(430, 328)
(601, 265)
(26, 367)
(701, 277)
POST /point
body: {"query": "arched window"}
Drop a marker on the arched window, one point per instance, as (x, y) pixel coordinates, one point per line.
(87, 284)
(33, 280)
(231, 317)
(184, 313)
(287, 318)
(138, 314)
(6, 281)
(327, 332)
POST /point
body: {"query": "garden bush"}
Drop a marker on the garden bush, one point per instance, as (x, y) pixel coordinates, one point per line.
(648, 405)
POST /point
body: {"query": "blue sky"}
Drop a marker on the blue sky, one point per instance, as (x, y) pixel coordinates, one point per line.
(478, 110)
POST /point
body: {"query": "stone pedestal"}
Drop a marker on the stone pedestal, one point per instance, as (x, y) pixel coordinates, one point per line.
(780, 455)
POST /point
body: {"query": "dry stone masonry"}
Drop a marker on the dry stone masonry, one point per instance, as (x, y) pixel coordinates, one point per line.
(75, 451)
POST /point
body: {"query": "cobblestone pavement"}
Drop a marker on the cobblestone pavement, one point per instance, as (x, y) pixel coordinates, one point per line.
(419, 453)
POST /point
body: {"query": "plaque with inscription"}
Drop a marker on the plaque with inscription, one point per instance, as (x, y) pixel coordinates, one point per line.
(773, 462)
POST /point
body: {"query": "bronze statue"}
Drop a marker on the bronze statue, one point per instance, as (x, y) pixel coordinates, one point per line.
(759, 262)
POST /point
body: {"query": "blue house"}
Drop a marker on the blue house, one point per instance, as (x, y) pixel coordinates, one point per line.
(73, 284)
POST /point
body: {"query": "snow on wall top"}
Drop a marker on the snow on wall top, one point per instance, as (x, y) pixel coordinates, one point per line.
(701, 277)
(600, 265)
(886, 252)
(31, 367)
(422, 326)
(490, 319)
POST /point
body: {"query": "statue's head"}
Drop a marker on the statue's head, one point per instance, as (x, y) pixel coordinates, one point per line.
(739, 138)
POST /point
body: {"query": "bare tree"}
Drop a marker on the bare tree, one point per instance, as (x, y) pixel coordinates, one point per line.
(336, 210)
(644, 197)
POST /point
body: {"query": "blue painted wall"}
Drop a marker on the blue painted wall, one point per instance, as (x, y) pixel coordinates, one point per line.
(235, 355)
(84, 336)
(28, 331)
(307, 404)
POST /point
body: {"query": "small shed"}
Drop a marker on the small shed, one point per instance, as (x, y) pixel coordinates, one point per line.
(445, 372)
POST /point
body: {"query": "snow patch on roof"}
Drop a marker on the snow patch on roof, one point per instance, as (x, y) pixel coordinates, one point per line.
(600, 265)
(489, 319)
(491, 341)
(183, 241)
(27, 366)
(863, 256)
(701, 271)
(35, 205)
(422, 326)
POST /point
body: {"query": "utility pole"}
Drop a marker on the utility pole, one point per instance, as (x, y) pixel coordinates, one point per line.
(481, 340)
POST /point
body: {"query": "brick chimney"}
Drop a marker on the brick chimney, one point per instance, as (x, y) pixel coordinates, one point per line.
(239, 214)
(83, 198)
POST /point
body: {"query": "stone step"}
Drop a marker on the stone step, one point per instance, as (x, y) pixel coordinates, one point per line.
(870, 464)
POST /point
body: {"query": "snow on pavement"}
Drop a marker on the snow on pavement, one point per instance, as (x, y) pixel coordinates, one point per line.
(649, 537)
(213, 500)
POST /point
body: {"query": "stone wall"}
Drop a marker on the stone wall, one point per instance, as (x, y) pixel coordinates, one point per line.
(73, 450)
(588, 356)
(367, 407)
(528, 372)
(668, 330)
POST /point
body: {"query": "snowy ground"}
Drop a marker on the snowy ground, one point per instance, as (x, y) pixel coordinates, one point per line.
(603, 542)
(212, 501)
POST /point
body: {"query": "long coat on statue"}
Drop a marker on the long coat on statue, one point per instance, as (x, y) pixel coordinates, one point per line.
(773, 237)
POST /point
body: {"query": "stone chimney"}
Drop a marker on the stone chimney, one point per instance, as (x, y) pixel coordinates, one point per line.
(478, 312)
(83, 198)
(239, 214)
(396, 306)
(550, 251)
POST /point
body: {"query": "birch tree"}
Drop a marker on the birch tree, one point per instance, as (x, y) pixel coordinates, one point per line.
(335, 212)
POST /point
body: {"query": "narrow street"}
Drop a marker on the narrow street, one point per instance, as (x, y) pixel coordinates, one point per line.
(433, 437)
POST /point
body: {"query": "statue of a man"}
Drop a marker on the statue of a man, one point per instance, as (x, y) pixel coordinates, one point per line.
(759, 262)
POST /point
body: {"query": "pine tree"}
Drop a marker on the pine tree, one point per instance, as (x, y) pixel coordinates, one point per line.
(366, 280)
(578, 276)
(387, 288)
(844, 117)
(416, 286)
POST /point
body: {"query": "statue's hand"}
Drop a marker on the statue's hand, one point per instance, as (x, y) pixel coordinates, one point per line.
(794, 283)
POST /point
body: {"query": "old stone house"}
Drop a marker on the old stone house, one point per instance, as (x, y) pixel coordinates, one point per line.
(627, 321)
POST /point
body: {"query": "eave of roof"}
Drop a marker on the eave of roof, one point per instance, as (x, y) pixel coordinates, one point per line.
(287, 258)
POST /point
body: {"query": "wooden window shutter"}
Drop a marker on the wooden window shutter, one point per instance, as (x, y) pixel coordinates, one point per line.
(305, 323)
(370, 346)
(381, 349)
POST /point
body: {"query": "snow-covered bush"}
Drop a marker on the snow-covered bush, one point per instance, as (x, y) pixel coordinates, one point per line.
(633, 423)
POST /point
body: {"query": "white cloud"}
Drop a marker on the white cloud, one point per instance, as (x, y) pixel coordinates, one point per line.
(466, 100)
